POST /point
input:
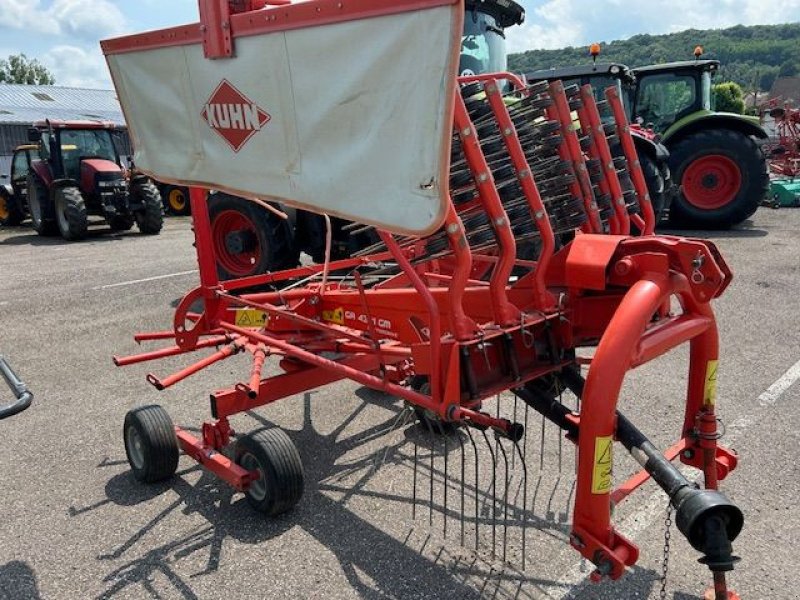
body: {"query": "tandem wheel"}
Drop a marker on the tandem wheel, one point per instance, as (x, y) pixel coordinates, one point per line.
(150, 443)
(429, 421)
(271, 453)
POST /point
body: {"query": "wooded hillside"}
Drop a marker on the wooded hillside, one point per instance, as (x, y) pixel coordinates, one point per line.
(750, 56)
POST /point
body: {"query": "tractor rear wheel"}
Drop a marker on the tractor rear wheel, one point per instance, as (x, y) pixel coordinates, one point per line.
(176, 200)
(150, 443)
(10, 211)
(71, 214)
(656, 186)
(429, 421)
(149, 218)
(723, 177)
(39, 207)
(249, 239)
(272, 455)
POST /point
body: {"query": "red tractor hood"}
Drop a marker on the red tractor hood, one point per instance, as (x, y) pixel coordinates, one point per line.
(91, 166)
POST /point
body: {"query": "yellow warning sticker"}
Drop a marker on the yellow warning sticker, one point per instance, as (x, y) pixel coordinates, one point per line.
(334, 316)
(603, 465)
(249, 317)
(710, 389)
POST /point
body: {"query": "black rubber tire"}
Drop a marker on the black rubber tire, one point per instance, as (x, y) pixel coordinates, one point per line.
(171, 194)
(274, 236)
(149, 219)
(656, 186)
(121, 222)
(14, 215)
(430, 422)
(156, 457)
(740, 148)
(72, 217)
(40, 207)
(281, 475)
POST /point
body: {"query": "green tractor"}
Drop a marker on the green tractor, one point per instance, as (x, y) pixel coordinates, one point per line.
(715, 157)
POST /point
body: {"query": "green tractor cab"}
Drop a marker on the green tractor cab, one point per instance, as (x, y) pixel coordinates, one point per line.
(483, 43)
(715, 157)
(653, 155)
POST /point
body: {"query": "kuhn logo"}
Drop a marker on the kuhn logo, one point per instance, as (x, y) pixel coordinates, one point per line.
(233, 115)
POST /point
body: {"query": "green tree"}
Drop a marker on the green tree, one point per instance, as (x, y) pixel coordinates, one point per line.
(788, 69)
(729, 97)
(18, 68)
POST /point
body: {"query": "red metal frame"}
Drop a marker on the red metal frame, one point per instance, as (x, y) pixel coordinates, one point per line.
(211, 31)
(582, 188)
(434, 319)
(647, 221)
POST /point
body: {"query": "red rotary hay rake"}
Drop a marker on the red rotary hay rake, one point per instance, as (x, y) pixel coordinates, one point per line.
(783, 151)
(535, 259)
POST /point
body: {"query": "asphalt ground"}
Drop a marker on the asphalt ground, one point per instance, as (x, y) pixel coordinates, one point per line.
(75, 524)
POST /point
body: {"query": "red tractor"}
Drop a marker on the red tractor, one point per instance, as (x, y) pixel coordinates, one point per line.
(77, 172)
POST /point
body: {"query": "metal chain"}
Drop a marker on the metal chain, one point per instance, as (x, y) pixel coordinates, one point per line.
(665, 563)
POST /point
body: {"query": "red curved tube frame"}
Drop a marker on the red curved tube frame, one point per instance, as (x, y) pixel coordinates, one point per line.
(592, 533)
(543, 300)
(634, 166)
(594, 153)
(435, 323)
(505, 313)
(595, 124)
(571, 151)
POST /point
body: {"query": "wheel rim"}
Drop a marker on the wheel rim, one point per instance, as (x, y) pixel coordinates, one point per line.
(258, 487)
(176, 200)
(61, 215)
(231, 222)
(711, 181)
(135, 446)
(4, 211)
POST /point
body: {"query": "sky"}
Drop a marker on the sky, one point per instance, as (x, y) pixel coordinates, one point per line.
(64, 34)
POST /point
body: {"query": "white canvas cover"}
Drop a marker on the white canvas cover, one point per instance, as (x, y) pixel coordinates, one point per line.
(351, 119)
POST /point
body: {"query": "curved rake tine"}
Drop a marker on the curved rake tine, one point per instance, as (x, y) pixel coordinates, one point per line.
(494, 493)
(414, 483)
(403, 414)
(514, 420)
(541, 447)
(524, 499)
(505, 497)
(565, 514)
(525, 438)
(430, 498)
(463, 477)
(445, 477)
(477, 483)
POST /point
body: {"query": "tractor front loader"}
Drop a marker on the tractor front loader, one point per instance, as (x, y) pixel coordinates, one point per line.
(452, 175)
(77, 173)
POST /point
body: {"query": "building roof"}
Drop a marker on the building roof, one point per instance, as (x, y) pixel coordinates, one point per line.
(787, 88)
(24, 104)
